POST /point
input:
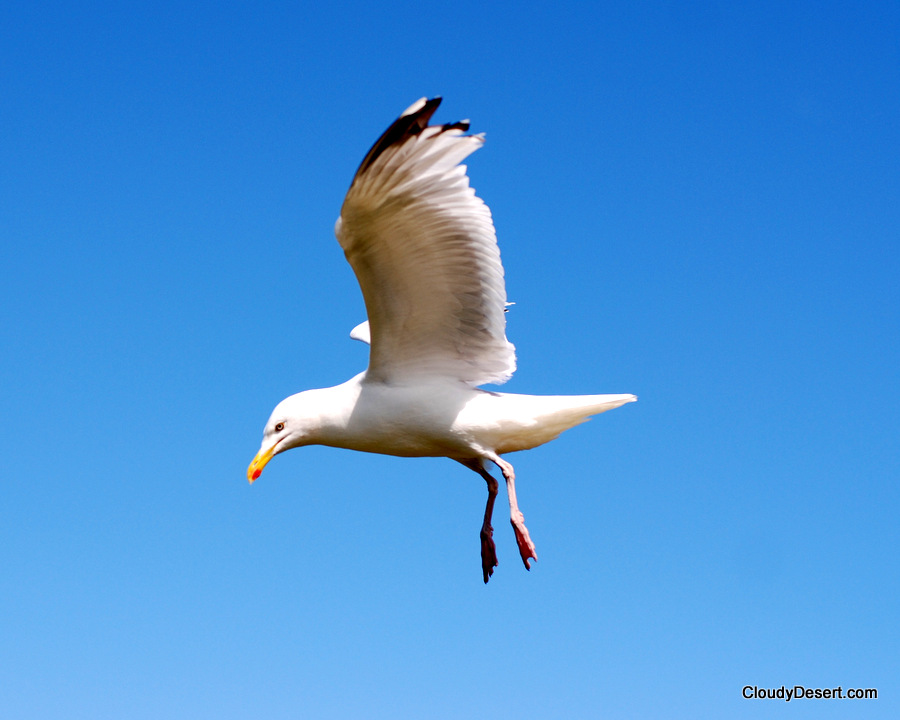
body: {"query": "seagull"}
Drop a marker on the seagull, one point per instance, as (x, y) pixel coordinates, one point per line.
(424, 251)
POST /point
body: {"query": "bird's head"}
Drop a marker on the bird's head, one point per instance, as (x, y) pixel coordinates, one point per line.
(288, 427)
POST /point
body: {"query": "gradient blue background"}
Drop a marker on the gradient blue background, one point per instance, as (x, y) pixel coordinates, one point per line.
(697, 203)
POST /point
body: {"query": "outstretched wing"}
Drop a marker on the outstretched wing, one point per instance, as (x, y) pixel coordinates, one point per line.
(425, 254)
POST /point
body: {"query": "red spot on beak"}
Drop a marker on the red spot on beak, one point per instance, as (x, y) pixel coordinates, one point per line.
(256, 473)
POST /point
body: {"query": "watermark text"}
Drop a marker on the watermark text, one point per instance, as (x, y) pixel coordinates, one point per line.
(800, 692)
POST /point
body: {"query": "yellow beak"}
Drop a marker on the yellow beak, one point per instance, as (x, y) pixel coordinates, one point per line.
(259, 462)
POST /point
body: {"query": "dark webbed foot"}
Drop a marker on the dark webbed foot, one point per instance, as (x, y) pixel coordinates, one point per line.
(488, 552)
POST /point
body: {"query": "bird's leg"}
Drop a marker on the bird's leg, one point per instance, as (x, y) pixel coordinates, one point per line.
(488, 549)
(516, 518)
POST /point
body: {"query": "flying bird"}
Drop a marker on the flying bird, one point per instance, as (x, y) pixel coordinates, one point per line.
(423, 249)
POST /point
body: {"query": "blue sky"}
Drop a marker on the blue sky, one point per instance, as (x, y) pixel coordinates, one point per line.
(695, 202)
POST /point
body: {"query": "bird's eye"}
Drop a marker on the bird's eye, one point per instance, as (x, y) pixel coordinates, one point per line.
(279, 427)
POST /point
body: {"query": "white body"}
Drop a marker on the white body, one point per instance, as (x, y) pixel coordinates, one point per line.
(437, 418)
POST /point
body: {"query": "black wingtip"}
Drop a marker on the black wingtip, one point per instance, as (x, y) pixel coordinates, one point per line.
(405, 127)
(461, 125)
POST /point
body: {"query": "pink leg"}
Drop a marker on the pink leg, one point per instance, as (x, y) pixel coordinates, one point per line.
(516, 518)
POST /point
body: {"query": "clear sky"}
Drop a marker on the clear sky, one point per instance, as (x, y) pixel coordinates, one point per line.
(696, 203)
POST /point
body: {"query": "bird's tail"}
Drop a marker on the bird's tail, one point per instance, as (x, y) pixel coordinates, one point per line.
(542, 418)
(567, 411)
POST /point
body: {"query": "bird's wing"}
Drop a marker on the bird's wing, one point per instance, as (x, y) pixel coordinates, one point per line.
(425, 254)
(361, 333)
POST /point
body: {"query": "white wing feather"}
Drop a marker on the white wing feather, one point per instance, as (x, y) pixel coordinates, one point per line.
(361, 333)
(425, 254)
